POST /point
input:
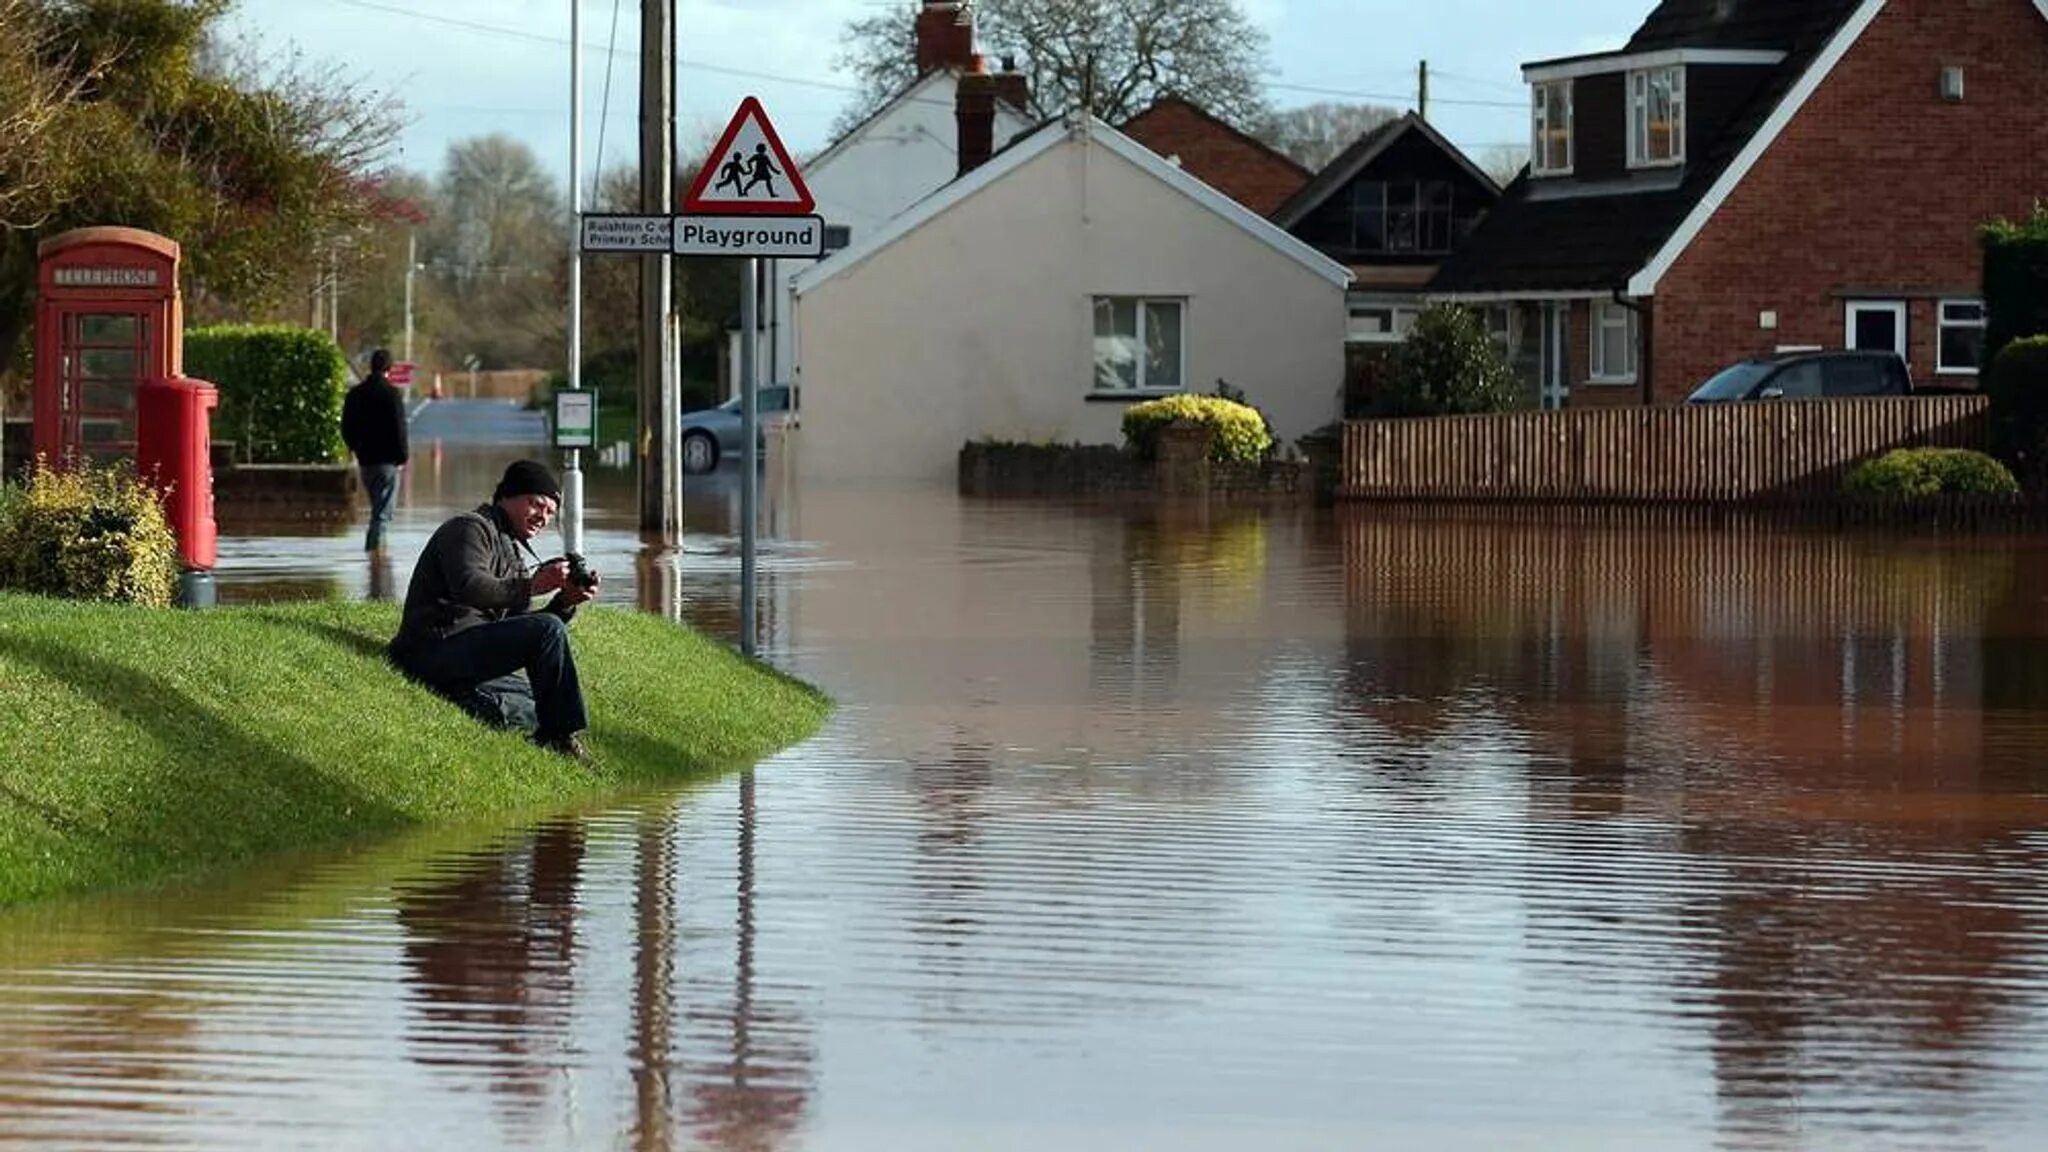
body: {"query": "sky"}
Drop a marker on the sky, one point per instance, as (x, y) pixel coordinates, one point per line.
(464, 68)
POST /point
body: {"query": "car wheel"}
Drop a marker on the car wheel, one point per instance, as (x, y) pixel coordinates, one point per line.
(700, 452)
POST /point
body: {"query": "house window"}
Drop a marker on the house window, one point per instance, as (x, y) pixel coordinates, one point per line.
(1405, 217)
(1138, 345)
(1961, 351)
(1614, 344)
(1379, 324)
(1550, 145)
(1656, 117)
(1877, 325)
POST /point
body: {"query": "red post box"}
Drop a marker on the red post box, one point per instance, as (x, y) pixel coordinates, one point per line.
(174, 433)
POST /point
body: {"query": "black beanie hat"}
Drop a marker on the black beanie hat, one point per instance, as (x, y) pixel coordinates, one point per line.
(528, 478)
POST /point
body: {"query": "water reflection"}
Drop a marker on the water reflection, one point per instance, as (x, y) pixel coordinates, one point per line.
(491, 943)
(1193, 827)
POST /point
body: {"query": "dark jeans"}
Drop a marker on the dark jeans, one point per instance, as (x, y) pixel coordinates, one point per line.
(475, 669)
(380, 481)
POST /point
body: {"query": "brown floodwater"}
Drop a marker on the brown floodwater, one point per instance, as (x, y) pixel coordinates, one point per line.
(1162, 827)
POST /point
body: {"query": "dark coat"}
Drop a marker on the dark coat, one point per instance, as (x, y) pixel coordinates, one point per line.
(373, 422)
(472, 572)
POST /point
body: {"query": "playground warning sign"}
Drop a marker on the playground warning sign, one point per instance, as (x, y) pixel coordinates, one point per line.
(749, 173)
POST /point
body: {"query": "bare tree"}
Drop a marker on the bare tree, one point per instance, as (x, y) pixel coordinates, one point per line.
(1504, 162)
(1111, 57)
(32, 97)
(1315, 134)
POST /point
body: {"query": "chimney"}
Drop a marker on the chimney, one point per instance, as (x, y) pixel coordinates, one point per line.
(1013, 87)
(974, 107)
(945, 35)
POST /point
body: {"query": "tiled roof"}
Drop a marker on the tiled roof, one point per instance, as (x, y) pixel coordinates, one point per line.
(1555, 235)
(1241, 167)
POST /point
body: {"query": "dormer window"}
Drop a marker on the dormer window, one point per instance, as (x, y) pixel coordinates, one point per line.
(1656, 117)
(1550, 143)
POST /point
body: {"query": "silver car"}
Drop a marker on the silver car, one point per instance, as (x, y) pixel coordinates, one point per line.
(710, 433)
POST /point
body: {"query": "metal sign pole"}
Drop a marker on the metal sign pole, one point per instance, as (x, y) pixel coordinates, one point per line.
(572, 472)
(750, 278)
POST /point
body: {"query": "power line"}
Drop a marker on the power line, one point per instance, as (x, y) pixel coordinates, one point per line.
(605, 115)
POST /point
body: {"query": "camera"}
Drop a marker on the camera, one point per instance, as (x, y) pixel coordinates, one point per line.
(579, 571)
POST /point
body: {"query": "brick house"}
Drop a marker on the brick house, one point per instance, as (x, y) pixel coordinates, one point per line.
(1390, 208)
(1752, 175)
(1218, 155)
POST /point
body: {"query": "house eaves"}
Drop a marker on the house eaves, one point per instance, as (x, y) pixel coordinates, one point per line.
(1573, 67)
(1029, 148)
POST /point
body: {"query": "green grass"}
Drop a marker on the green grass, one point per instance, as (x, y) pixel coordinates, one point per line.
(140, 745)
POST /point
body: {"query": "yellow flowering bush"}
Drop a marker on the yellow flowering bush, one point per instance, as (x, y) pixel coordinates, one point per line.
(1237, 431)
(87, 534)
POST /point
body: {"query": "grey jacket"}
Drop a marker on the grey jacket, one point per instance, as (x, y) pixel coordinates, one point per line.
(471, 573)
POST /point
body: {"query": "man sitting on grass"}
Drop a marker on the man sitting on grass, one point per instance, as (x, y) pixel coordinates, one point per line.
(470, 628)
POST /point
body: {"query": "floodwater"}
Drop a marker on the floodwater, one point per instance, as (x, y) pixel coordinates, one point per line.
(1163, 828)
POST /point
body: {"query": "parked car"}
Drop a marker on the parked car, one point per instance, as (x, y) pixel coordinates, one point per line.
(1809, 376)
(710, 433)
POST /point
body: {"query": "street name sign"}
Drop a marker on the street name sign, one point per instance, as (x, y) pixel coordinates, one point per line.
(603, 233)
(777, 237)
(750, 173)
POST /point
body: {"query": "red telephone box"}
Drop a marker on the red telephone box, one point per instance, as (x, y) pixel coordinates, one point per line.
(108, 317)
(109, 379)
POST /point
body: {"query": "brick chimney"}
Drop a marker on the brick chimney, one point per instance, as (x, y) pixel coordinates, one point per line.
(974, 108)
(945, 35)
(1013, 86)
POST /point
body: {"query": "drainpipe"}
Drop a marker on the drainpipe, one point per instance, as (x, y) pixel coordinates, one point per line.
(1645, 322)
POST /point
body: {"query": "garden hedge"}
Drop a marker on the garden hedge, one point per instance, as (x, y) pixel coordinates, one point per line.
(280, 390)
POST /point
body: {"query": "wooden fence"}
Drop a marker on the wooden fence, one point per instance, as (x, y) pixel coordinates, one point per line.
(1708, 453)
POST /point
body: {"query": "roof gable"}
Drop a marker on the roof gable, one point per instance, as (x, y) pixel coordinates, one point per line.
(1046, 138)
(925, 89)
(1240, 166)
(1339, 173)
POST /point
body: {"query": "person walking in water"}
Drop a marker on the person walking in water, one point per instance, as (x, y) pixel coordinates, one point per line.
(373, 427)
(732, 172)
(761, 170)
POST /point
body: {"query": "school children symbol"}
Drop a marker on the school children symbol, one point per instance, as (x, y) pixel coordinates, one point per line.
(750, 172)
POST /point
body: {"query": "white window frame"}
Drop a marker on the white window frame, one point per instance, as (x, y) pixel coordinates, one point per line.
(1605, 316)
(1941, 326)
(1639, 117)
(1142, 303)
(1855, 308)
(1539, 124)
(1400, 320)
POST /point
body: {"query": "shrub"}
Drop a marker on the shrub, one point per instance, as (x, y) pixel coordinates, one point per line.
(88, 534)
(280, 389)
(1238, 432)
(1914, 473)
(1448, 366)
(2015, 280)
(2018, 388)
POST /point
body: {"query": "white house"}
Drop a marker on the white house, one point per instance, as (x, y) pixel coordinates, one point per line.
(905, 151)
(1037, 297)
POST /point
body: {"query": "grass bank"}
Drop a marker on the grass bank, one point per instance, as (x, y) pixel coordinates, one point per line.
(139, 745)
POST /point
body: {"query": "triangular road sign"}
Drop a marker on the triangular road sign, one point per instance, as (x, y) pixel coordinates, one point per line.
(750, 172)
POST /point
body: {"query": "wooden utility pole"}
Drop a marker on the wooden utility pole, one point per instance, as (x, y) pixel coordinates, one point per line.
(657, 198)
(1422, 91)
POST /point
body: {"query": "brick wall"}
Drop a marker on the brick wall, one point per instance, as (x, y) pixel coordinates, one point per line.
(1241, 169)
(1876, 186)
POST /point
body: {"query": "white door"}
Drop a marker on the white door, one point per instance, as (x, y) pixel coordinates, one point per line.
(1877, 326)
